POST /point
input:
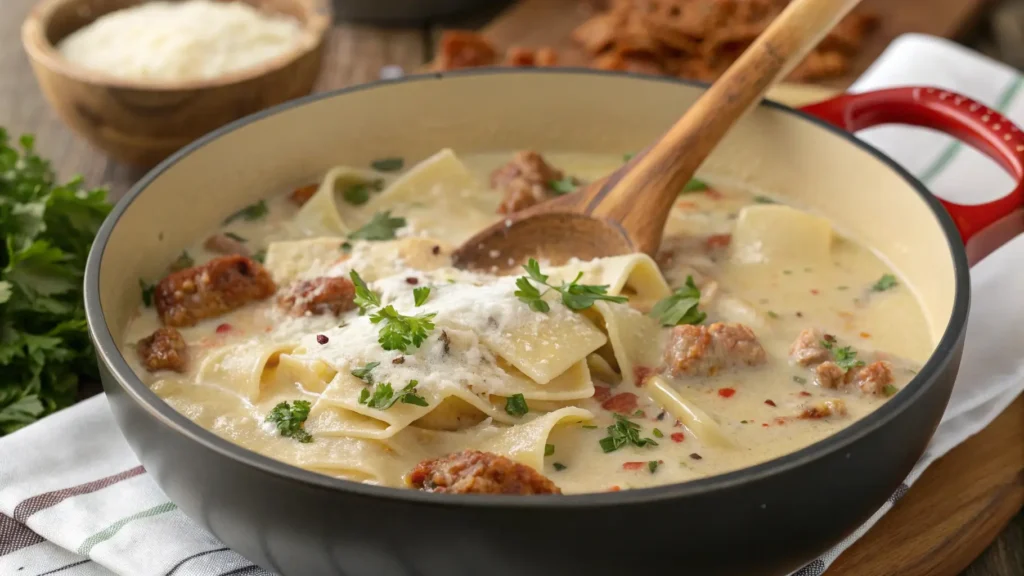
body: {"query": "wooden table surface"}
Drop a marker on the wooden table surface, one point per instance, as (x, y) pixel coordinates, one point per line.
(359, 53)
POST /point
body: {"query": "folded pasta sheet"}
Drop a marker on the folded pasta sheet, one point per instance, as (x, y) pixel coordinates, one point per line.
(321, 214)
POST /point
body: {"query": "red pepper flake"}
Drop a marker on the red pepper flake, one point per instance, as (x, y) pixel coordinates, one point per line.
(717, 241)
(765, 425)
(780, 421)
(641, 374)
(321, 339)
(632, 465)
(221, 329)
(435, 250)
(624, 403)
(602, 393)
(865, 335)
(412, 281)
(614, 489)
(686, 205)
(677, 437)
(677, 424)
(815, 291)
(726, 392)
(804, 393)
(770, 403)
(696, 456)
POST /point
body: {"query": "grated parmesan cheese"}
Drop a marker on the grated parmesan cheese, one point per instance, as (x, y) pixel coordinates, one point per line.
(191, 40)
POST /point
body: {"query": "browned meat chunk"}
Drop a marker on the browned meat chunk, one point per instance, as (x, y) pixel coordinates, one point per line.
(164, 349)
(302, 195)
(224, 244)
(463, 49)
(217, 287)
(808, 349)
(526, 181)
(829, 375)
(822, 409)
(704, 350)
(319, 296)
(526, 57)
(475, 472)
(873, 378)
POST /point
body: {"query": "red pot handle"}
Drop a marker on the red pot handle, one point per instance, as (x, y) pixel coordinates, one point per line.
(954, 114)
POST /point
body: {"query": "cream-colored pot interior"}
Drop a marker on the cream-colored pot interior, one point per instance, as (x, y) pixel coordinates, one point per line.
(771, 149)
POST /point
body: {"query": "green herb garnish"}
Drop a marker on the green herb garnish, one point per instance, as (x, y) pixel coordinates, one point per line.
(772, 314)
(365, 298)
(357, 194)
(652, 466)
(627, 157)
(694, 185)
(183, 261)
(764, 200)
(657, 433)
(845, 357)
(388, 164)
(260, 256)
(890, 390)
(515, 405)
(549, 449)
(381, 227)
(624, 432)
(384, 397)
(563, 186)
(799, 379)
(401, 332)
(364, 372)
(289, 420)
(147, 293)
(235, 237)
(680, 307)
(575, 296)
(558, 466)
(886, 282)
(249, 213)
(421, 294)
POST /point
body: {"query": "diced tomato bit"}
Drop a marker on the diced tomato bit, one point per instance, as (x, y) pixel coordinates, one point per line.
(614, 489)
(632, 465)
(685, 205)
(624, 403)
(865, 335)
(804, 393)
(718, 241)
(223, 328)
(815, 291)
(770, 403)
(602, 393)
(677, 437)
(726, 392)
(712, 193)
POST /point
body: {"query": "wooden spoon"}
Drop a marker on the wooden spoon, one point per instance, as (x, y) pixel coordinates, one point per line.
(626, 211)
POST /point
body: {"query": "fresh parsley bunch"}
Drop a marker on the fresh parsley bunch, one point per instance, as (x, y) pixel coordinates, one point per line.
(575, 296)
(48, 229)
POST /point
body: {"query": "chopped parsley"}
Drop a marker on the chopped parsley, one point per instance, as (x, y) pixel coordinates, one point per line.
(652, 465)
(384, 397)
(365, 298)
(260, 256)
(364, 372)
(549, 449)
(624, 432)
(589, 427)
(563, 186)
(890, 390)
(421, 294)
(401, 332)
(886, 282)
(183, 261)
(357, 194)
(799, 379)
(289, 420)
(694, 185)
(515, 405)
(558, 466)
(845, 357)
(393, 164)
(627, 157)
(381, 227)
(680, 307)
(575, 296)
(249, 213)
(772, 314)
(764, 200)
(657, 433)
(147, 292)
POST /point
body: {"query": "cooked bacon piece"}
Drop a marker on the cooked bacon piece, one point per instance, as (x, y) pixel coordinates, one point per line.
(808, 349)
(525, 57)
(221, 285)
(463, 49)
(302, 195)
(476, 472)
(624, 403)
(704, 350)
(829, 375)
(164, 349)
(319, 296)
(822, 409)
(224, 244)
(602, 393)
(873, 378)
(526, 181)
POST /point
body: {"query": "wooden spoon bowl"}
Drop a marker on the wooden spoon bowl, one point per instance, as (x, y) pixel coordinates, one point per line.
(143, 122)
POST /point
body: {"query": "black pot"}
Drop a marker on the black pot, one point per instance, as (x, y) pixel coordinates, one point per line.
(767, 519)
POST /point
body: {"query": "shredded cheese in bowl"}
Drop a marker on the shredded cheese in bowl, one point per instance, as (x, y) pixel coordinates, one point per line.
(173, 41)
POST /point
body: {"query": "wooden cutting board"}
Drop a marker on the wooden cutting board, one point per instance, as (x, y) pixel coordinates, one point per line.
(965, 499)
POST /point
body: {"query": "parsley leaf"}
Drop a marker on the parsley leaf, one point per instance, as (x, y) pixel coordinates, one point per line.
(886, 282)
(364, 372)
(250, 213)
(421, 294)
(384, 397)
(381, 227)
(289, 420)
(365, 298)
(658, 433)
(549, 449)
(184, 261)
(764, 200)
(624, 432)
(694, 185)
(147, 293)
(515, 405)
(563, 186)
(890, 390)
(388, 164)
(575, 296)
(652, 465)
(357, 194)
(401, 332)
(260, 256)
(627, 157)
(558, 466)
(680, 307)
(845, 357)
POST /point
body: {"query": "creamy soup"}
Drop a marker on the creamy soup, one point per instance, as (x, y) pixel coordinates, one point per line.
(326, 327)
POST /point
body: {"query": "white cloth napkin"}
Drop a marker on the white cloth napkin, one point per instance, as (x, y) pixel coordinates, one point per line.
(75, 501)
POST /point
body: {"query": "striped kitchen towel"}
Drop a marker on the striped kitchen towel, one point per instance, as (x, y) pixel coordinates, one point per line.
(74, 500)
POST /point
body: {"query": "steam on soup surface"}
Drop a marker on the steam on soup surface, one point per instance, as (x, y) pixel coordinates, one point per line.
(326, 327)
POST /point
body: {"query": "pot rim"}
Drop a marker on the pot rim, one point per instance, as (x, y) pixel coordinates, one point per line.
(108, 353)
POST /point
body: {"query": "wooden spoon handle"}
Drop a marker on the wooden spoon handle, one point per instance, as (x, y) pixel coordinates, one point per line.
(640, 195)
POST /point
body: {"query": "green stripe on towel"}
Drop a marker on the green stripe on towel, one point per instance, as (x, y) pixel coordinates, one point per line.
(953, 149)
(108, 532)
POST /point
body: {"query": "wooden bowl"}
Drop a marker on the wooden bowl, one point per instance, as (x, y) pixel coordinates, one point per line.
(141, 122)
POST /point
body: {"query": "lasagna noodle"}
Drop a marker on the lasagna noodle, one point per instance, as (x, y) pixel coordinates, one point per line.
(779, 233)
(545, 350)
(243, 365)
(302, 259)
(699, 422)
(635, 338)
(320, 215)
(311, 374)
(525, 442)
